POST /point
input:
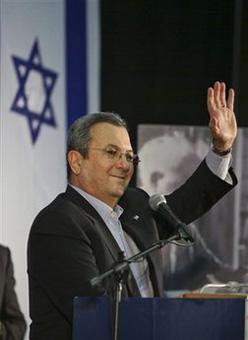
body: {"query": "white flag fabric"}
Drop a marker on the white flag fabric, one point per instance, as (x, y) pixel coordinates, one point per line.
(33, 121)
(49, 75)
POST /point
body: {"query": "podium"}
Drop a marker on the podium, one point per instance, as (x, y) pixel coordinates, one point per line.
(161, 318)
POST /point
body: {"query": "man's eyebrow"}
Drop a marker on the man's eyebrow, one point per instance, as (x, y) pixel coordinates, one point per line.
(117, 147)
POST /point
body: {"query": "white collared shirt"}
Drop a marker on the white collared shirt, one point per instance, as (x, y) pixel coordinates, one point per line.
(219, 165)
(140, 269)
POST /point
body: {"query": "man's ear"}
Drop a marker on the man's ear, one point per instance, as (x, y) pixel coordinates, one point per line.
(75, 160)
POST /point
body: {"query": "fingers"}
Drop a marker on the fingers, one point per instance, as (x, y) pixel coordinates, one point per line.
(217, 97)
(230, 100)
(223, 94)
(210, 100)
(220, 94)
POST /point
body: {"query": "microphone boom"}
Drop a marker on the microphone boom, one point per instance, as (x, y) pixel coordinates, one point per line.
(159, 204)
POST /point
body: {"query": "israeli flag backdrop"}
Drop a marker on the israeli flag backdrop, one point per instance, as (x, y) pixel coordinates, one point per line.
(48, 77)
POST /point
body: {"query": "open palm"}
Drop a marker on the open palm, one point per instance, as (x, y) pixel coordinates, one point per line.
(222, 122)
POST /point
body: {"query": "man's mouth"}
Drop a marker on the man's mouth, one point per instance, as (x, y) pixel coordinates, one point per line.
(119, 176)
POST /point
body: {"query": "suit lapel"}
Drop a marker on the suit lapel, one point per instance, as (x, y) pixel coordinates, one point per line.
(135, 224)
(96, 219)
(103, 231)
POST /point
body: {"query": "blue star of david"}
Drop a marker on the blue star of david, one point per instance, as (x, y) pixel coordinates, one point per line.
(36, 84)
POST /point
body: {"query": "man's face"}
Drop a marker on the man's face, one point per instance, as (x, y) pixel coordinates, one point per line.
(101, 176)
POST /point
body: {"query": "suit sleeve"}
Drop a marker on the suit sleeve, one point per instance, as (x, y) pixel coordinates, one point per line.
(199, 193)
(61, 263)
(13, 322)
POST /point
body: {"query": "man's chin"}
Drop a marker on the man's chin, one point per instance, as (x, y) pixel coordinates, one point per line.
(118, 193)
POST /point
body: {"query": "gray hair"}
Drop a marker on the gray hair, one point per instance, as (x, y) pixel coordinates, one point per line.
(79, 133)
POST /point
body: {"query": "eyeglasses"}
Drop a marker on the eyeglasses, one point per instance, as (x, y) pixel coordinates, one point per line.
(116, 154)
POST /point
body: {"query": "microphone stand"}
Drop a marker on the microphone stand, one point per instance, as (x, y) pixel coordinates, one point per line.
(119, 271)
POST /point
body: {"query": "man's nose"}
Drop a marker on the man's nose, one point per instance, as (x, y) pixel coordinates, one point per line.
(123, 162)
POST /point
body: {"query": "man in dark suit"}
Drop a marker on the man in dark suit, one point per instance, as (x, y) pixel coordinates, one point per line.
(12, 322)
(82, 232)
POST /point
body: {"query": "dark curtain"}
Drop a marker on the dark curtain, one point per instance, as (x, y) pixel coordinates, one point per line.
(159, 57)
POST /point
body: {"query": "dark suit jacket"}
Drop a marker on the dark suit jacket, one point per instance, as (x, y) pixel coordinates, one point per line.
(12, 323)
(69, 244)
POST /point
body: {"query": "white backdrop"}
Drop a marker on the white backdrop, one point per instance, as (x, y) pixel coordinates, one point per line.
(33, 121)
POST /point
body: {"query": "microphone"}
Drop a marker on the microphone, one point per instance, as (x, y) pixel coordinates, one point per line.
(159, 204)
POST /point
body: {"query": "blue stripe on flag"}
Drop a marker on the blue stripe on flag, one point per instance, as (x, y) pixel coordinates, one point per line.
(76, 67)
